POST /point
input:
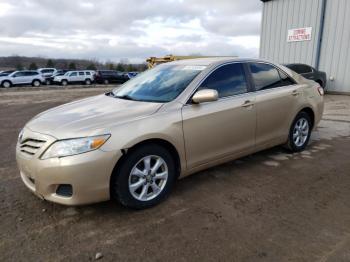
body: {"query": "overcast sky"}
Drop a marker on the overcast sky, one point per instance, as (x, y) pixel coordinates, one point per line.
(133, 29)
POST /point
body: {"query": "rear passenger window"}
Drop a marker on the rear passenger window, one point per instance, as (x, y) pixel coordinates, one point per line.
(228, 80)
(265, 76)
(87, 73)
(81, 73)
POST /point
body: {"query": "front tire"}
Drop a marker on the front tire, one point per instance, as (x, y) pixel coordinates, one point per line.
(64, 82)
(144, 178)
(6, 84)
(300, 132)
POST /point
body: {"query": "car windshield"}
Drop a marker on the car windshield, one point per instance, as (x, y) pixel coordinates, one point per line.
(160, 84)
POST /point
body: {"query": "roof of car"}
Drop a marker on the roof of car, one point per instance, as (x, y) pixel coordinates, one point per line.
(213, 60)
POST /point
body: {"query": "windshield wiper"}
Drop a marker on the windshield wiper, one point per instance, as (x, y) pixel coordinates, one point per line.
(110, 94)
(126, 97)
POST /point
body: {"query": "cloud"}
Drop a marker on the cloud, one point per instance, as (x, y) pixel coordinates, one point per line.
(115, 29)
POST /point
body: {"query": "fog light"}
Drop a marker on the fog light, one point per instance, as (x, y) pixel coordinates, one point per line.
(64, 190)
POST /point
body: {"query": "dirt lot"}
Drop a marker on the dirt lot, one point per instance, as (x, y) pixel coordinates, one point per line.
(271, 206)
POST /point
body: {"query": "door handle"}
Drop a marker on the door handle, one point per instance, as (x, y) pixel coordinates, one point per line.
(247, 103)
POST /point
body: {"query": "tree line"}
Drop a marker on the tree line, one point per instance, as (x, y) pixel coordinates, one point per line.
(33, 63)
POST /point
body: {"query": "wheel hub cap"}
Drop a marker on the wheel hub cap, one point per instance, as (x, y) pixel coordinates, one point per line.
(148, 178)
(300, 132)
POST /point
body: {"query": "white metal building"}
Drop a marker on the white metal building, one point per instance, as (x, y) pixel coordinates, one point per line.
(314, 32)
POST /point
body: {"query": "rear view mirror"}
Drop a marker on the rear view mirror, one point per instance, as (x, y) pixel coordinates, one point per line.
(205, 95)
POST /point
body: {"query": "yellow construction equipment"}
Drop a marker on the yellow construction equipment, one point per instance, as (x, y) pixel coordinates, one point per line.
(153, 61)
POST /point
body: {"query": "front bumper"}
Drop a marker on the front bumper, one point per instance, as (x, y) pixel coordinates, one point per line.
(88, 174)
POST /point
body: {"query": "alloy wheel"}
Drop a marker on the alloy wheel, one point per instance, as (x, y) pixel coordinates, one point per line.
(301, 132)
(148, 178)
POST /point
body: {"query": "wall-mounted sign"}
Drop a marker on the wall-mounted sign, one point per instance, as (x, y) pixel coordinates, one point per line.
(299, 34)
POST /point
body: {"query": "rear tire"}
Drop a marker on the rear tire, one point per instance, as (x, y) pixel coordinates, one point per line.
(300, 132)
(106, 82)
(6, 84)
(87, 82)
(36, 83)
(138, 185)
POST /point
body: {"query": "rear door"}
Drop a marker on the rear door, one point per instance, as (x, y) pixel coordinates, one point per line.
(277, 99)
(81, 76)
(222, 128)
(31, 76)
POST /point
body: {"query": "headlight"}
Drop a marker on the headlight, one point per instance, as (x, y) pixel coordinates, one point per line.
(20, 135)
(74, 146)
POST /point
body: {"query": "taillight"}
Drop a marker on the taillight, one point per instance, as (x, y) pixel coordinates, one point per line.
(320, 90)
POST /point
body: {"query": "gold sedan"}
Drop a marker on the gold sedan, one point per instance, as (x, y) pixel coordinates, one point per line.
(176, 119)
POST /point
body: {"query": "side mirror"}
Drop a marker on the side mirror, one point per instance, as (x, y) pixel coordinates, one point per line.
(205, 95)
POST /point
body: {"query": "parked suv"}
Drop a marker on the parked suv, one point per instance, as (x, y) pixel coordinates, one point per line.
(71, 77)
(110, 76)
(47, 73)
(60, 72)
(22, 78)
(131, 144)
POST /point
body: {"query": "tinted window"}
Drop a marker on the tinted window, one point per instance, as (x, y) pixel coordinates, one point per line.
(162, 83)
(88, 73)
(300, 68)
(81, 73)
(228, 80)
(73, 74)
(19, 74)
(265, 76)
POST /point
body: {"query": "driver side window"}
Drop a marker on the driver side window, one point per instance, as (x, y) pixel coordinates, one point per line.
(228, 80)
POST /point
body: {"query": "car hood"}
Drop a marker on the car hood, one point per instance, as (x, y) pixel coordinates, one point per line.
(90, 116)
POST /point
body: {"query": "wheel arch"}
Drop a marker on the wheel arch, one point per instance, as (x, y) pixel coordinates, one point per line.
(35, 79)
(6, 80)
(311, 113)
(158, 141)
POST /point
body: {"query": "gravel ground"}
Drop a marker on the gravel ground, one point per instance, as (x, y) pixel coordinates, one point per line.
(270, 206)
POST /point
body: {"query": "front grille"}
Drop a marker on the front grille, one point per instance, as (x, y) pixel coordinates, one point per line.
(30, 145)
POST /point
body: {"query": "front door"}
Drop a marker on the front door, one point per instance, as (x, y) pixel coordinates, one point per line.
(19, 78)
(215, 130)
